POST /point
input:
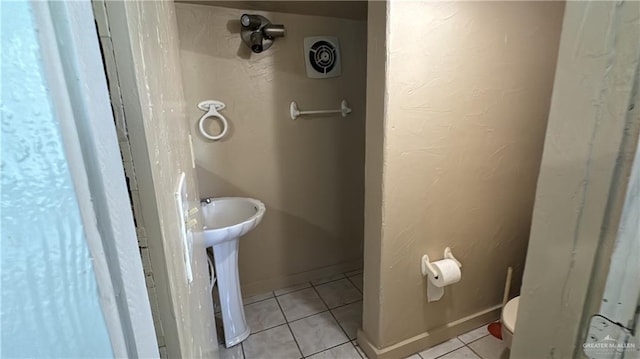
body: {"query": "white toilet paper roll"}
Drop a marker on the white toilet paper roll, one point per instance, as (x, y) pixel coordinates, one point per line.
(447, 272)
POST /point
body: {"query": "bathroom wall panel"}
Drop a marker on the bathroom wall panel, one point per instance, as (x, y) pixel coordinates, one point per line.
(146, 52)
(466, 113)
(308, 172)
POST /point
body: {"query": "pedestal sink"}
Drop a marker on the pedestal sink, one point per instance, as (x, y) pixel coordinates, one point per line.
(226, 219)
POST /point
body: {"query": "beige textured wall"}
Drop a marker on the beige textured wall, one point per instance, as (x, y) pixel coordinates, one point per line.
(146, 53)
(468, 87)
(374, 156)
(590, 147)
(356, 10)
(308, 172)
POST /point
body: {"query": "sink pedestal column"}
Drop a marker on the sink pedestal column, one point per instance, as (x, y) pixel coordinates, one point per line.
(235, 325)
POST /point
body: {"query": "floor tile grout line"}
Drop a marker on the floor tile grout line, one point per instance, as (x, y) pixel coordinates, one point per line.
(440, 356)
(265, 329)
(356, 349)
(464, 344)
(244, 355)
(286, 322)
(292, 336)
(276, 325)
(329, 348)
(329, 281)
(295, 340)
(339, 279)
(290, 330)
(352, 275)
(315, 285)
(475, 340)
(333, 316)
(342, 305)
(308, 316)
(326, 310)
(449, 352)
(257, 301)
(474, 352)
(354, 284)
(293, 291)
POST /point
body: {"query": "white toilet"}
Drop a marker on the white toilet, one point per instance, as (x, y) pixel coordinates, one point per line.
(508, 319)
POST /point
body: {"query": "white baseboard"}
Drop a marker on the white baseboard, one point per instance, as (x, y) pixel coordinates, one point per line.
(428, 339)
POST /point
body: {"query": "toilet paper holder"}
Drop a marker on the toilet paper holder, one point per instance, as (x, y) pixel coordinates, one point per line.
(427, 267)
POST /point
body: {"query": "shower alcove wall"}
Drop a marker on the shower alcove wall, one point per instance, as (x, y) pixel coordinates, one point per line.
(308, 172)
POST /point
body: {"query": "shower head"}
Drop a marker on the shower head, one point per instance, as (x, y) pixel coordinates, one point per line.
(258, 33)
(251, 22)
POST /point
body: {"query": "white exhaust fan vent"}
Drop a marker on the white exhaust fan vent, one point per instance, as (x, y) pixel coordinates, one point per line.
(322, 57)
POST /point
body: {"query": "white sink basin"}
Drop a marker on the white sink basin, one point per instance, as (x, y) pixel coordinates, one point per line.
(227, 218)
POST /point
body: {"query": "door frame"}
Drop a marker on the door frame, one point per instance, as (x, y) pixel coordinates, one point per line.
(585, 182)
(75, 74)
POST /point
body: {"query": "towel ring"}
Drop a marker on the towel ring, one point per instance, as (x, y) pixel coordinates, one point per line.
(212, 107)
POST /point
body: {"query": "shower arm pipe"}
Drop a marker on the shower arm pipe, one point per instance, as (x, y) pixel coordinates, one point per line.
(295, 111)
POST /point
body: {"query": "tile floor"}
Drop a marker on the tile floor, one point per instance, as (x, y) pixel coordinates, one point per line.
(319, 320)
(476, 344)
